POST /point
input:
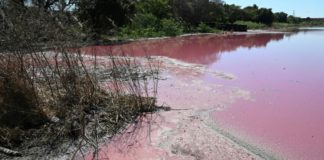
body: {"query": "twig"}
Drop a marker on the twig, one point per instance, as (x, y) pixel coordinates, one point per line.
(10, 152)
(170, 109)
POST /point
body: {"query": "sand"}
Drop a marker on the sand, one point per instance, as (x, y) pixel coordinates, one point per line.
(186, 132)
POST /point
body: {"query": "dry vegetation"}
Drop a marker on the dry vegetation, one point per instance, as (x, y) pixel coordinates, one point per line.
(52, 95)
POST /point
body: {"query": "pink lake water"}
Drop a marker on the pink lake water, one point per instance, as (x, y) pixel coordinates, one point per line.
(287, 82)
(283, 72)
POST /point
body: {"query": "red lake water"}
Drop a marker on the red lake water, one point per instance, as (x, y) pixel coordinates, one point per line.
(283, 72)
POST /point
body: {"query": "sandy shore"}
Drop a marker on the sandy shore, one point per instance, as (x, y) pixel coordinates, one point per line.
(186, 132)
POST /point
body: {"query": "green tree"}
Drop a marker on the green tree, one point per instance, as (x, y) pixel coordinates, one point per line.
(195, 12)
(265, 16)
(293, 19)
(281, 17)
(216, 11)
(233, 13)
(159, 8)
(171, 27)
(103, 15)
(251, 13)
(145, 20)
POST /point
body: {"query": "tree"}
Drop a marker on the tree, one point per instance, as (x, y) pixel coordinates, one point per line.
(195, 12)
(251, 13)
(64, 5)
(103, 15)
(12, 4)
(159, 8)
(190, 11)
(265, 16)
(216, 11)
(293, 19)
(281, 17)
(145, 20)
(54, 5)
(308, 19)
(233, 13)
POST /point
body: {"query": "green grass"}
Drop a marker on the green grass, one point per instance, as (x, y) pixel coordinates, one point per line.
(204, 28)
(252, 25)
(313, 23)
(280, 26)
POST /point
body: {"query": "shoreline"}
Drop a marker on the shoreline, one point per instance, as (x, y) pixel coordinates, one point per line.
(210, 124)
(222, 33)
(117, 41)
(198, 112)
(174, 139)
(261, 153)
(186, 131)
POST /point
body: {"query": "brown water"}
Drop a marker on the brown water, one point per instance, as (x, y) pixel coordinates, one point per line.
(284, 73)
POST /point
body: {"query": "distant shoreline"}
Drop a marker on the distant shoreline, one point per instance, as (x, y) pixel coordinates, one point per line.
(116, 41)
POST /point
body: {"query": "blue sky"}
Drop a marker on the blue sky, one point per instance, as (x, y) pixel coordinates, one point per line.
(308, 8)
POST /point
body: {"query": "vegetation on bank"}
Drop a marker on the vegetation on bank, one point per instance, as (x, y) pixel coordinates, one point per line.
(155, 18)
(279, 25)
(102, 19)
(57, 99)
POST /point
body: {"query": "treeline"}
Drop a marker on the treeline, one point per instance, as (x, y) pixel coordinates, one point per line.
(147, 18)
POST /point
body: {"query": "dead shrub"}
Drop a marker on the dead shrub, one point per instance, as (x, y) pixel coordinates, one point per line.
(51, 94)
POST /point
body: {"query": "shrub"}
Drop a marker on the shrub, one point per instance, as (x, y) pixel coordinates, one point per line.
(251, 25)
(146, 20)
(149, 26)
(265, 16)
(57, 91)
(204, 28)
(170, 27)
(135, 33)
(143, 25)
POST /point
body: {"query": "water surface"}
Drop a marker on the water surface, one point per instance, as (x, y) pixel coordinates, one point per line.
(283, 72)
(286, 79)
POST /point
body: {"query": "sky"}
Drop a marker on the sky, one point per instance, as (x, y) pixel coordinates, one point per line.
(302, 8)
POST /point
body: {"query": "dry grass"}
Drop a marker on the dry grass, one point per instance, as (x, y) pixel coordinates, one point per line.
(51, 94)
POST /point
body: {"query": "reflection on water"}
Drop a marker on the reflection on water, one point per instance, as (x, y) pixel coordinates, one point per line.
(286, 79)
(193, 49)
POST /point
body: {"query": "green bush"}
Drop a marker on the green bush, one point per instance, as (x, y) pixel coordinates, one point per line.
(146, 32)
(312, 23)
(170, 27)
(135, 33)
(146, 20)
(143, 25)
(204, 28)
(251, 25)
(278, 25)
